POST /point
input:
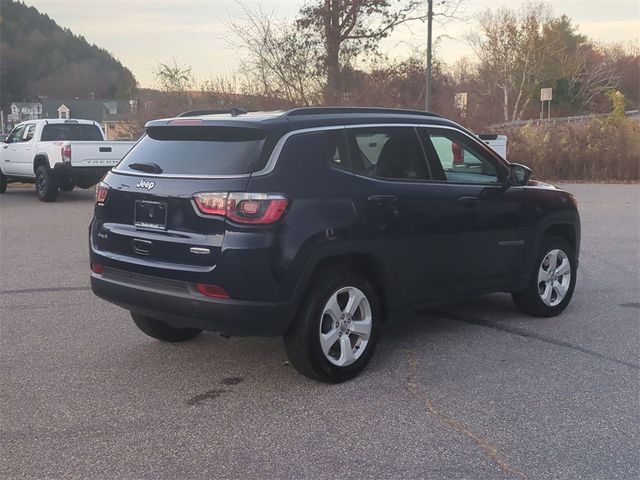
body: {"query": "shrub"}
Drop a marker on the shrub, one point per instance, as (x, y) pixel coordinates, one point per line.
(599, 150)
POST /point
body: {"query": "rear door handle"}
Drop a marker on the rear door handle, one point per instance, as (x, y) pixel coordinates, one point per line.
(468, 200)
(383, 198)
(105, 149)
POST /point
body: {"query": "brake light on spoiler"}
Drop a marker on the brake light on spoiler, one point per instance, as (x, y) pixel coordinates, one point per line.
(251, 208)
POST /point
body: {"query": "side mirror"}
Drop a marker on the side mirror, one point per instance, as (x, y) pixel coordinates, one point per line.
(518, 175)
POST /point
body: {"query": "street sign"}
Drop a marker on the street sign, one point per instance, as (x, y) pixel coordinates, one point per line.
(546, 94)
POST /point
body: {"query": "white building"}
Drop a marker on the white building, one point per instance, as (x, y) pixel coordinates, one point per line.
(21, 111)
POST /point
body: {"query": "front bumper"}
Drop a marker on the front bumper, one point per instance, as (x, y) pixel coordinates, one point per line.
(180, 305)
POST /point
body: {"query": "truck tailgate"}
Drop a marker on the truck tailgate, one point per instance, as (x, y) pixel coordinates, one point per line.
(98, 154)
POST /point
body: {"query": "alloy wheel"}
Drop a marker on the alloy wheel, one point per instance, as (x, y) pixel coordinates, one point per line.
(345, 326)
(554, 277)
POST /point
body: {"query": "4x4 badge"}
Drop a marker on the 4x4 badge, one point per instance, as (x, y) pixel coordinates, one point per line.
(145, 184)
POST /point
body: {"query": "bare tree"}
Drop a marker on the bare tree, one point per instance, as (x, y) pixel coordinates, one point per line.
(516, 55)
(347, 28)
(174, 77)
(279, 60)
(595, 74)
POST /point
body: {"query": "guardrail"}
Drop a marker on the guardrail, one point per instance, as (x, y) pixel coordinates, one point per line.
(634, 114)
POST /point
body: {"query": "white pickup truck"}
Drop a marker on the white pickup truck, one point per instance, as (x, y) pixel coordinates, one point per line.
(58, 154)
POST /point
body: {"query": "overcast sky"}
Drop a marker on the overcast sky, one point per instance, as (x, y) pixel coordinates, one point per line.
(142, 32)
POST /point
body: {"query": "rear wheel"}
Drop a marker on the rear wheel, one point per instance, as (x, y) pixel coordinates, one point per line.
(46, 185)
(163, 331)
(3, 183)
(552, 281)
(336, 331)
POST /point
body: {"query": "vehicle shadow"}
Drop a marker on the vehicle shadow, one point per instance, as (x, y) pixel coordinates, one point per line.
(28, 194)
(210, 355)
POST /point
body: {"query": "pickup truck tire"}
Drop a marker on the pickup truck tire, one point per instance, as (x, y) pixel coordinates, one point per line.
(66, 184)
(46, 185)
(163, 331)
(3, 183)
(553, 280)
(322, 343)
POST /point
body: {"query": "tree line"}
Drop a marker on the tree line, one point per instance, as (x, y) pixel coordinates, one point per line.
(41, 58)
(329, 54)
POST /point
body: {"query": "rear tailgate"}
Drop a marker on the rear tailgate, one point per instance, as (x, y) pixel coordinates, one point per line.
(149, 217)
(98, 154)
(153, 221)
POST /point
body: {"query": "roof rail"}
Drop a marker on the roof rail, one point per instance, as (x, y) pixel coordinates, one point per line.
(332, 110)
(196, 113)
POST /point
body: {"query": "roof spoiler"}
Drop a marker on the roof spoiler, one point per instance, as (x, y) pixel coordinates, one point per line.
(196, 113)
(335, 110)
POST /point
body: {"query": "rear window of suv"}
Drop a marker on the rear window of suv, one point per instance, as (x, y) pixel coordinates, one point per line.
(195, 151)
(78, 132)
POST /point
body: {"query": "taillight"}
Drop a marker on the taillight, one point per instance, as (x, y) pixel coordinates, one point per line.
(213, 291)
(212, 203)
(65, 152)
(253, 208)
(102, 189)
(97, 267)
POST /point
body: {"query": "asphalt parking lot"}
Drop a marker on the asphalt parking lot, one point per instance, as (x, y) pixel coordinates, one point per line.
(471, 391)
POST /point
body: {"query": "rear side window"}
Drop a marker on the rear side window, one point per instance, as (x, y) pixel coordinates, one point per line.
(387, 152)
(71, 131)
(28, 133)
(195, 151)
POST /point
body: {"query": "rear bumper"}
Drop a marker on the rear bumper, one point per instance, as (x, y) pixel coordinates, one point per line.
(180, 305)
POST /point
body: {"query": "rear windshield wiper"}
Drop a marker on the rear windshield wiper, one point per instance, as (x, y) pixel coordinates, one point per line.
(146, 167)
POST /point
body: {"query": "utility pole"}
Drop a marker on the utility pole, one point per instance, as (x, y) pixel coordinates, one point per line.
(427, 89)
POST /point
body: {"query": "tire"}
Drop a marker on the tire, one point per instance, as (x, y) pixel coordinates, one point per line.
(46, 185)
(66, 184)
(163, 331)
(543, 296)
(343, 359)
(3, 183)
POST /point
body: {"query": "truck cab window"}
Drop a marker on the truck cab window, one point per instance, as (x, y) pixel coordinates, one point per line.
(16, 134)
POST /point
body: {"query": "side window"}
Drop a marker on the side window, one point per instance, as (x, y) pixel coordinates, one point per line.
(460, 161)
(16, 135)
(387, 152)
(28, 132)
(336, 148)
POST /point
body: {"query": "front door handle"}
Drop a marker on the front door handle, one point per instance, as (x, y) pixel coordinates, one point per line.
(383, 198)
(468, 200)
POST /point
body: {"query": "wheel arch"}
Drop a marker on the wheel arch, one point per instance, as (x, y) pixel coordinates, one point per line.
(563, 224)
(366, 263)
(41, 159)
(566, 231)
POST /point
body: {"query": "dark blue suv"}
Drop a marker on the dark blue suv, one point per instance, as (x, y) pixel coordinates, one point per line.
(316, 223)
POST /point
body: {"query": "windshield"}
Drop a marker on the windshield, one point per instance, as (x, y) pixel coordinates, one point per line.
(195, 151)
(71, 131)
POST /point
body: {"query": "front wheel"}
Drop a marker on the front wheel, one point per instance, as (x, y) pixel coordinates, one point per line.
(46, 185)
(336, 331)
(3, 183)
(163, 331)
(552, 281)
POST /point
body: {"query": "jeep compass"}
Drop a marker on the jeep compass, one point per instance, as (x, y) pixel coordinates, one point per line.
(316, 223)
